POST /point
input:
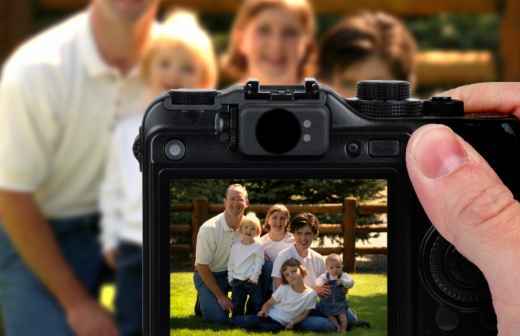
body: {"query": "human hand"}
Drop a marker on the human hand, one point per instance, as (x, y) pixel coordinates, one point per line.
(262, 313)
(254, 282)
(225, 303)
(110, 258)
(323, 290)
(468, 203)
(289, 325)
(88, 318)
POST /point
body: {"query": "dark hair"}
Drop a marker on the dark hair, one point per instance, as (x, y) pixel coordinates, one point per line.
(292, 262)
(305, 219)
(367, 34)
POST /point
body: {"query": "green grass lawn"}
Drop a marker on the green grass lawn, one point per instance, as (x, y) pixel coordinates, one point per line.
(367, 298)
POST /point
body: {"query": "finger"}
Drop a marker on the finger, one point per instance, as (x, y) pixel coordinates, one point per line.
(501, 97)
(471, 207)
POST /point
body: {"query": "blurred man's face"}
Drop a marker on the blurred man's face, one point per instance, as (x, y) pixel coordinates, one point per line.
(235, 202)
(126, 10)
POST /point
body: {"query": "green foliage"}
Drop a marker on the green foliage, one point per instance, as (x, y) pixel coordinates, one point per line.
(462, 32)
(368, 298)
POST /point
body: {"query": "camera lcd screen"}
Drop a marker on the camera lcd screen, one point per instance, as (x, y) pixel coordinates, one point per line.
(235, 229)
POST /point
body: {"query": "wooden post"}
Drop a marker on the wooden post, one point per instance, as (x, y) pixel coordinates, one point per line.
(510, 35)
(199, 215)
(349, 238)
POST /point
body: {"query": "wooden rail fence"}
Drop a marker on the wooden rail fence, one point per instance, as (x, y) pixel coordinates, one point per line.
(201, 210)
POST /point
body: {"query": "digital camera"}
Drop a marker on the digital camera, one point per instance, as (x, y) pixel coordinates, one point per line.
(295, 133)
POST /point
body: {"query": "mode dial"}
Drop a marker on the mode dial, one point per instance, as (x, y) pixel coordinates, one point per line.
(383, 90)
(385, 98)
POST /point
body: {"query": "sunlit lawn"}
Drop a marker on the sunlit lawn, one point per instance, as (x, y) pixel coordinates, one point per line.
(367, 298)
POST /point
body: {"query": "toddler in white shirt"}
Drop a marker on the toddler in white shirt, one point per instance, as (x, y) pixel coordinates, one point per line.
(245, 265)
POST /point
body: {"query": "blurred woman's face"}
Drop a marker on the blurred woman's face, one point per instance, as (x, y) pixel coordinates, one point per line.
(274, 45)
(174, 67)
(373, 67)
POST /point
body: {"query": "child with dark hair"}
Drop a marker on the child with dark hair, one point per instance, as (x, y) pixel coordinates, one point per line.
(289, 306)
(365, 46)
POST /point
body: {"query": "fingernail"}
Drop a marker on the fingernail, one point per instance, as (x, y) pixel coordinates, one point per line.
(437, 151)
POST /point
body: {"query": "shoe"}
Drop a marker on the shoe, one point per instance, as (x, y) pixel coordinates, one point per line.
(362, 324)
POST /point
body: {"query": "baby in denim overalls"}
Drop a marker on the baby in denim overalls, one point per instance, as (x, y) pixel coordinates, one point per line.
(335, 305)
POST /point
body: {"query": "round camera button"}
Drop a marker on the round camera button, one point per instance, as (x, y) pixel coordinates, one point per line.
(447, 319)
(353, 148)
(175, 149)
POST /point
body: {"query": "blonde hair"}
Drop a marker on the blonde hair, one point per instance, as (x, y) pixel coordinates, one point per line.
(234, 63)
(251, 218)
(276, 208)
(182, 29)
(333, 257)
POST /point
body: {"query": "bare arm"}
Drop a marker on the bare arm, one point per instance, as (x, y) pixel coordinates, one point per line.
(266, 307)
(20, 214)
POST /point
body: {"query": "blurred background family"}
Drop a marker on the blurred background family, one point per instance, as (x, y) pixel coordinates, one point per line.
(71, 101)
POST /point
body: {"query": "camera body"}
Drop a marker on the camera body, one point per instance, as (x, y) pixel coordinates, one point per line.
(300, 131)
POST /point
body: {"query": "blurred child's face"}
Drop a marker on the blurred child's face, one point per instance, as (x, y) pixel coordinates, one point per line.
(292, 275)
(274, 44)
(248, 231)
(278, 221)
(175, 67)
(303, 237)
(373, 67)
(334, 267)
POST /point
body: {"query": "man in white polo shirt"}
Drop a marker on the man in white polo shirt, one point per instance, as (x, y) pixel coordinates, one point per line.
(214, 242)
(59, 96)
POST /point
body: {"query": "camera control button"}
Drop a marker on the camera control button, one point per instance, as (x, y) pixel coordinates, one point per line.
(384, 148)
(353, 148)
(446, 319)
(175, 149)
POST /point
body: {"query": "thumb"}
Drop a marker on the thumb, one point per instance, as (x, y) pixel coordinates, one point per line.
(470, 206)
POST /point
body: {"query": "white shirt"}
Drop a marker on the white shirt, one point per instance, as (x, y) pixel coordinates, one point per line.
(313, 263)
(58, 103)
(273, 247)
(345, 279)
(121, 198)
(289, 304)
(245, 261)
(214, 242)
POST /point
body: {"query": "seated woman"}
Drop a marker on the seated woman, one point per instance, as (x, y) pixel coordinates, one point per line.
(305, 228)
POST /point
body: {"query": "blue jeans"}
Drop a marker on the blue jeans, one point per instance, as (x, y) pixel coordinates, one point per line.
(209, 307)
(239, 291)
(28, 308)
(311, 323)
(129, 284)
(266, 281)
